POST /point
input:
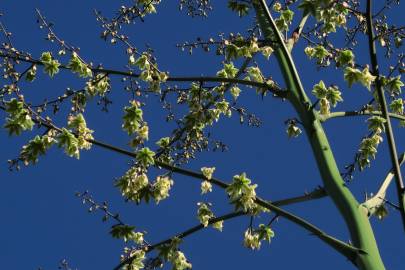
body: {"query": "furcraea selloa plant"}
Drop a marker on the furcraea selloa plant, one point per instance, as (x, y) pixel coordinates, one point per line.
(330, 34)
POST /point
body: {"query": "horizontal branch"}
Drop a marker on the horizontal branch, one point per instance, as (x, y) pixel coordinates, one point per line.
(331, 115)
(316, 194)
(275, 90)
(344, 248)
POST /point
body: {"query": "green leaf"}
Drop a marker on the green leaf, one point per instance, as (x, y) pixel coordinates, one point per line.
(242, 193)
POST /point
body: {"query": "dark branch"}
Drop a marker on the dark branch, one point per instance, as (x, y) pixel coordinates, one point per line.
(385, 113)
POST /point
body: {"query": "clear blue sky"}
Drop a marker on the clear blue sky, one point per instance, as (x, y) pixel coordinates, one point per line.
(43, 222)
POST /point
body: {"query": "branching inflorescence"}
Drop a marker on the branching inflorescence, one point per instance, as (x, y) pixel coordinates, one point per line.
(207, 100)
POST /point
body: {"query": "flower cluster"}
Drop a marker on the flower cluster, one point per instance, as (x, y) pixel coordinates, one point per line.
(293, 130)
(253, 238)
(327, 96)
(83, 134)
(133, 123)
(320, 53)
(353, 75)
(369, 145)
(127, 233)
(161, 188)
(51, 66)
(132, 184)
(98, 85)
(137, 257)
(135, 186)
(242, 193)
(331, 13)
(206, 186)
(150, 73)
(204, 213)
(170, 252)
(18, 118)
(36, 147)
(285, 19)
(76, 65)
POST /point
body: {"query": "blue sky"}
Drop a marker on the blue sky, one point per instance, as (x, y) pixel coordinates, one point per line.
(43, 222)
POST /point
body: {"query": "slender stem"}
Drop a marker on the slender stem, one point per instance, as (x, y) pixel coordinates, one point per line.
(182, 235)
(179, 132)
(385, 113)
(309, 196)
(339, 245)
(324, 118)
(318, 193)
(276, 91)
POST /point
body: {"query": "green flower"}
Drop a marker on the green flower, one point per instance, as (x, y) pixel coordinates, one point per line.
(352, 75)
(69, 141)
(161, 188)
(132, 118)
(206, 187)
(242, 193)
(293, 130)
(18, 119)
(367, 78)
(204, 213)
(345, 57)
(76, 65)
(207, 172)
(51, 66)
(145, 157)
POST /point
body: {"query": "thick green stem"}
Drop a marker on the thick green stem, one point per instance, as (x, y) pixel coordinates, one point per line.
(356, 220)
